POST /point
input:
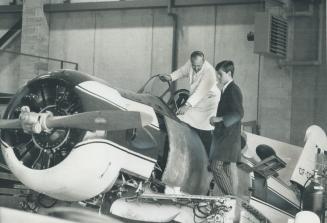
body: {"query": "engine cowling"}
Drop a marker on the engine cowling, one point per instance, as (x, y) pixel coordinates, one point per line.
(65, 163)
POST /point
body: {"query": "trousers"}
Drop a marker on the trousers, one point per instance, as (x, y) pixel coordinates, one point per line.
(222, 175)
(206, 138)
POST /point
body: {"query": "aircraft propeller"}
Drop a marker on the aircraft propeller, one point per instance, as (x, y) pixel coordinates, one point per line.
(93, 120)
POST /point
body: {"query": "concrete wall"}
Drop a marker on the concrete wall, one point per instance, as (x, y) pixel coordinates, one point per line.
(232, 25)
(321, 99)
(125, 47)
(293, 97)
(275, 100)
(9, 63)
(34, 40)
(72, 38)
(308, 92)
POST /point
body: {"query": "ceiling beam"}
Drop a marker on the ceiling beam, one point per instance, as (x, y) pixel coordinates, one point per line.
(5, 9)
(190, 3)
(96, 6)
(119, 5)
(139, 4)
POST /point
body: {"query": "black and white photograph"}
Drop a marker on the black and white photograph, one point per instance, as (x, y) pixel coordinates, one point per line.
(153, 111)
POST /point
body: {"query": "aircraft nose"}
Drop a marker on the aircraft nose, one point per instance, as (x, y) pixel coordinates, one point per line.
(87, 171)
(91, 168)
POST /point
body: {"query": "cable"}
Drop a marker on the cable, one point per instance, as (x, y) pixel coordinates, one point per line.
(212, 210)
(195, 215)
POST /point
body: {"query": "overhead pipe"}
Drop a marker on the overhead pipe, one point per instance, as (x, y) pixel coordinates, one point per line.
(8, 9)
(11, 34)
(174, 47)
(174, 41)
(140, 4)
(11, 39)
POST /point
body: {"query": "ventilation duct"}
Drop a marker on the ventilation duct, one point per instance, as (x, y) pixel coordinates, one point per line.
(270, 35)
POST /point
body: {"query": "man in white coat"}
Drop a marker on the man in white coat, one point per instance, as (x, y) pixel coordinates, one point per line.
(204, 95)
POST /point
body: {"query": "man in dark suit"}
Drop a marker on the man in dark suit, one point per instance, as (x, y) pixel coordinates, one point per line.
(226, 146)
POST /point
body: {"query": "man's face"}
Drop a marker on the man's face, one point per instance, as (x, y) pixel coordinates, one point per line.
(197, 63)
(222, 76)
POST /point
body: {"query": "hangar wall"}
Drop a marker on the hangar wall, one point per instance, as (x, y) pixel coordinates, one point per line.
(9, 63)
(321, 100)
(289, 97)
(125, 47)
(309, 81)
(275, 103)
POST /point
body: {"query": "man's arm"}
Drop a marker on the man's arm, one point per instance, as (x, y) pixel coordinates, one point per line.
(206, 83)
(214, 120)
(236, 108)
(179, 73)
(236, 113)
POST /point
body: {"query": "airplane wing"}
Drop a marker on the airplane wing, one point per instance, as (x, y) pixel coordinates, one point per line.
(312, 156)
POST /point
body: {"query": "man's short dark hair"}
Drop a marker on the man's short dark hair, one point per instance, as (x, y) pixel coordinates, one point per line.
(197, 53)
(226, 66)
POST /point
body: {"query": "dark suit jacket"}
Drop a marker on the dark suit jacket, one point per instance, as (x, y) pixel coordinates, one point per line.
(227, 134)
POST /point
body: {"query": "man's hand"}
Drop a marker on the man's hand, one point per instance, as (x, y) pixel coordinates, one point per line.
(214, 120)
(183, 109)
(165, 77)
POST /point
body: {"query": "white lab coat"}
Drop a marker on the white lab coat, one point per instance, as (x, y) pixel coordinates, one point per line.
(204, 95)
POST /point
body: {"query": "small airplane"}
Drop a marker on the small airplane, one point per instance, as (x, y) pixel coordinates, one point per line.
(75, 138)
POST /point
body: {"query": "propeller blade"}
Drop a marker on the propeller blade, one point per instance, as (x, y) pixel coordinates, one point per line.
(10, 124)
(94, 120)
(101, 120)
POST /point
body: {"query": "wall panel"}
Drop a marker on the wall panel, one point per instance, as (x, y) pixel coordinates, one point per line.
(72, 39)
(196, 31)
(161, 50)
(275, 100)
(233, 22)
(9, 63)
(123, 43)
(130, 45)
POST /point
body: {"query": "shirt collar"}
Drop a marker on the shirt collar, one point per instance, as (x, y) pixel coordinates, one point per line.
(226, 85)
